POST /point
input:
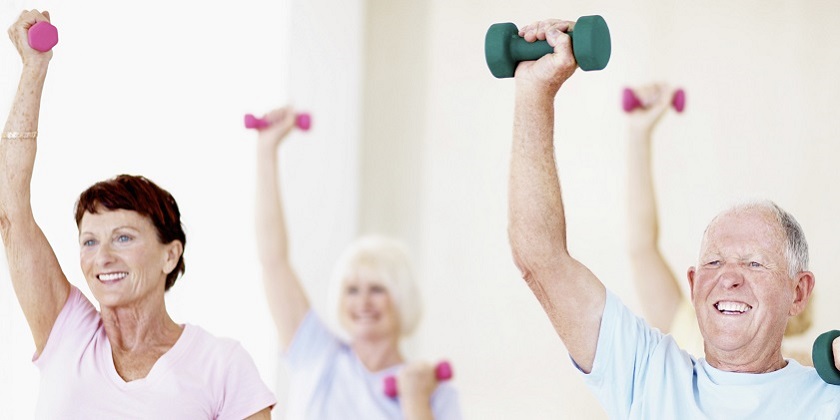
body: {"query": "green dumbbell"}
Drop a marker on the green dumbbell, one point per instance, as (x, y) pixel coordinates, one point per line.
(823, 356)
(504, 48)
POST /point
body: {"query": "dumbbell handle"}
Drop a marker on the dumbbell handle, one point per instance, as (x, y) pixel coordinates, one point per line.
(42, 36)
(823, 357)
(630, 101)
(303, 121)
(443, 372)
(522, 50)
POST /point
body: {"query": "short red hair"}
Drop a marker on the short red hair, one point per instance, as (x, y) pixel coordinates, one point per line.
(139, 194)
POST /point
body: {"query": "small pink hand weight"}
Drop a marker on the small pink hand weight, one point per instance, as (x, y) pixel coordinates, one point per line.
(43, 36)
(629, 101)
(303, 121)
(443, 372)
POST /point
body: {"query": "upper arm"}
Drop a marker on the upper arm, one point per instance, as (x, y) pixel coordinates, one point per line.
(264, 414)
(574, 300)
(40, 285)
(287, 300)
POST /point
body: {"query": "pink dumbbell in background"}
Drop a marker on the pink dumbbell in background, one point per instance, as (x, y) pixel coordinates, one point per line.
(443, 372)
(43, 36)
(629, 101)
(303, 121)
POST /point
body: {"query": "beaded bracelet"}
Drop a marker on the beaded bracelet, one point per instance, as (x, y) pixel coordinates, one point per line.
(14, 135)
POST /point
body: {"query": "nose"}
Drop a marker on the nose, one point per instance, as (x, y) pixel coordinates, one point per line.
(104, 255)
(731, 277)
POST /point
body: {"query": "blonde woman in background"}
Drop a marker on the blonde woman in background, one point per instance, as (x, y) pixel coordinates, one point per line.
(374, 298)
(663, 303)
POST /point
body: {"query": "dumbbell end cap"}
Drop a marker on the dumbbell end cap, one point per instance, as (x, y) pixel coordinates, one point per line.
(443, 371)
(823, 356)
(303, 121)
(497, 49)
(629, 100)
(679, 100)
(591, 43)
(391, 386)
(43, 36)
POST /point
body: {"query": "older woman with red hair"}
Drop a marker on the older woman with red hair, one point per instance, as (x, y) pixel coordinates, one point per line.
(129, 359)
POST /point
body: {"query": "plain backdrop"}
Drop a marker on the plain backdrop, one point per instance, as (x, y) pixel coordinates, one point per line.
(411, 137)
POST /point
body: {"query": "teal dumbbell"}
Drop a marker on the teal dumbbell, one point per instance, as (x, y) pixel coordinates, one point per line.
(823, 356)
(504, 48)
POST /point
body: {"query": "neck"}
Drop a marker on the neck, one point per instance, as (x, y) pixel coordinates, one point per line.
(377, 354)
(736, 362)
(138, 327)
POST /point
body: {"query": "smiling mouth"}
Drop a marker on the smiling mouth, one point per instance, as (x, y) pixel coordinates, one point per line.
(111, 277)
(732, 308)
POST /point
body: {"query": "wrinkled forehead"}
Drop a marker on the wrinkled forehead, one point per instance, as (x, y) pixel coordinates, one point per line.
(364, 274)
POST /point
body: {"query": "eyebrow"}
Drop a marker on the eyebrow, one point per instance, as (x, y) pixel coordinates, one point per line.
(114, 230)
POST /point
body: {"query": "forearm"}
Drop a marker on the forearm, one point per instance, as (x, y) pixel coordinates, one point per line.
(17, 148)
(417, 409)
(537, 227)
(286, 298)
(272, 237)
(656, 285)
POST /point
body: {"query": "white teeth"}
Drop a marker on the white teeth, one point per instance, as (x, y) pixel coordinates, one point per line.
(733, 307)
(112, 276)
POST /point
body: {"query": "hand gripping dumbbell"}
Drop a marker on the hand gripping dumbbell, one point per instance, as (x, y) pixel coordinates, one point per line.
(823, 357)
(43, 36)
(303, 121)
(629, 100)
(443, 372)
(504, 48)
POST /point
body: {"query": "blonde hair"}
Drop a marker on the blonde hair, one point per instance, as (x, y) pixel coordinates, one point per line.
(387, 260)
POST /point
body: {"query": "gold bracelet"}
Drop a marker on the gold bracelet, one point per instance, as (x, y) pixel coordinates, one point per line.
(14, 135)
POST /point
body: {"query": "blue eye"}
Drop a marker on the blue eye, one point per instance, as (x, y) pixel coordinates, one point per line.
(123, 238)
(714, 263)
(89, 242)
(755, 264)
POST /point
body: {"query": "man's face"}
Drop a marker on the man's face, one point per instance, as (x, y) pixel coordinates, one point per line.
(741, 290)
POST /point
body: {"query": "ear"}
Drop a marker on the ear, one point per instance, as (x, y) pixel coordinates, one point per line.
(691, 272)
(802, 291)
(171, 255)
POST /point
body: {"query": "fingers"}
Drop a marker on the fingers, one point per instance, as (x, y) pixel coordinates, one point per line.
(538, 30)
(654, 95)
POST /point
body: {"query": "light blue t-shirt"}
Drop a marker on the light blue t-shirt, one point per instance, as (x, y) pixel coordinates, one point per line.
(328, 381)
(640, 373)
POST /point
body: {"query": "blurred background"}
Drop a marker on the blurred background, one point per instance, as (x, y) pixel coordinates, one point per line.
(411, 137)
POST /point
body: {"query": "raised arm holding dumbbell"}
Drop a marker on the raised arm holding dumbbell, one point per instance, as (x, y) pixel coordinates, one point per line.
(663, 303)
(751, 277)
(374, 297)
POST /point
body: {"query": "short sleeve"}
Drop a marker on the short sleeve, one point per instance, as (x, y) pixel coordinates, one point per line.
(73, 329)
(245, 393)
(445, 404)
(625, 343)
(312, 344)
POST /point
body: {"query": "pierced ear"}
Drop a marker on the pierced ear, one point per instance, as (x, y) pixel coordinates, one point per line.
(174, 250)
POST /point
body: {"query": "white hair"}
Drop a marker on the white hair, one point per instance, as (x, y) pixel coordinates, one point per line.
(387, 259)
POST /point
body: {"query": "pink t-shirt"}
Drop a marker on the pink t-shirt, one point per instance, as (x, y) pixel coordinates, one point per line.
(200, 377)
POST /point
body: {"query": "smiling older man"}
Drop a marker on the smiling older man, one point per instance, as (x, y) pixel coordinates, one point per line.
(751, 278)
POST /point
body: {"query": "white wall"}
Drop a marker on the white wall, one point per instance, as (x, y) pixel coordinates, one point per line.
(159, 88)
(761, 121)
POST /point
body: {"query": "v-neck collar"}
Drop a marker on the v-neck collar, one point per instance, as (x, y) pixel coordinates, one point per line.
(162, 367)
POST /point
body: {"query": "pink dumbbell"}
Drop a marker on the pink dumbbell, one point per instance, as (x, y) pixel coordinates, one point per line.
(443, 372)
(303, 121)
(629, 101)
(43, 36)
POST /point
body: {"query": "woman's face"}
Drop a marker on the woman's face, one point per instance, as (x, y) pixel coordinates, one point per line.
(122, 258)
(367, 310)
